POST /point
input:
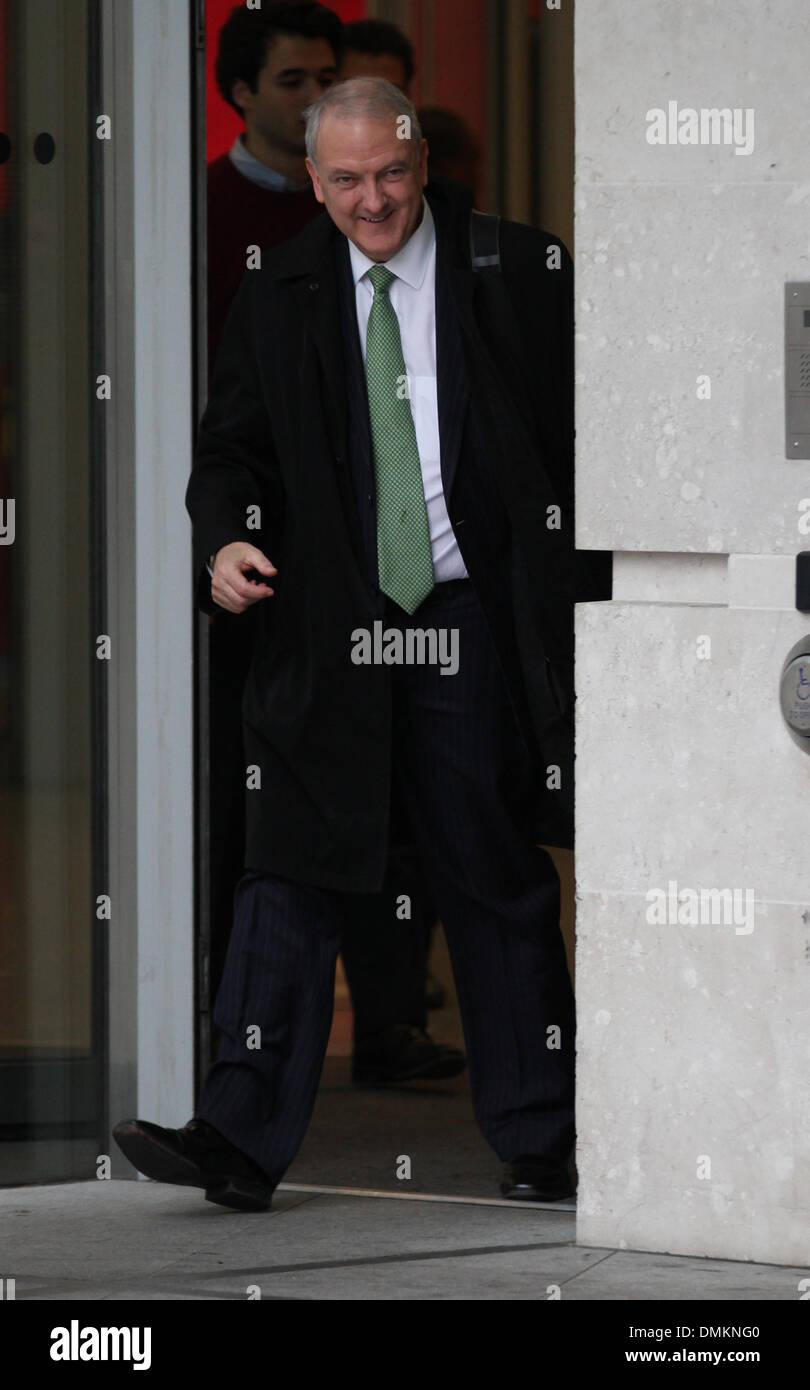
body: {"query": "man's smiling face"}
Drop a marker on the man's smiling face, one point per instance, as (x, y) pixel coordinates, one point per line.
(369, 181)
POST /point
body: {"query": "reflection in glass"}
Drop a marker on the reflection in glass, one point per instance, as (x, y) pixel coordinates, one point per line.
(49, 1069)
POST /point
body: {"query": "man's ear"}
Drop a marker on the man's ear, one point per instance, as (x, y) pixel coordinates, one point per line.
(316, 183)
(241, 94)
(423, 162)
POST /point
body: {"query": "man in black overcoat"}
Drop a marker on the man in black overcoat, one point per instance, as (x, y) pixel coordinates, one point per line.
(387, 451)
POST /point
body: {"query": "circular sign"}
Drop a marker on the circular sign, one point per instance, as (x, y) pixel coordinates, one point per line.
(794, 692)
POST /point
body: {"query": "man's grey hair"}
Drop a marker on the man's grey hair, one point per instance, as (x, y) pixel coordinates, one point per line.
(364, 96)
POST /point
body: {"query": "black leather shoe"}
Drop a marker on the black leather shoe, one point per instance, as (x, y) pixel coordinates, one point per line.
(404, 1053)
(195, 1156)
(531, 1178)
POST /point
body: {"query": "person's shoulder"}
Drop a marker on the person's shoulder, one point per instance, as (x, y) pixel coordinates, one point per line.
(301, 253)
(526, 247)
(223, 189)
(219, 170)
(285, 265)
(524, 250)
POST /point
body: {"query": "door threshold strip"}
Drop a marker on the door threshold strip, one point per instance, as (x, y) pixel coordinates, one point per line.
(569, 1206)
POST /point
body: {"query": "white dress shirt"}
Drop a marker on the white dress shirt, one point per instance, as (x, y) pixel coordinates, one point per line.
(413, 298)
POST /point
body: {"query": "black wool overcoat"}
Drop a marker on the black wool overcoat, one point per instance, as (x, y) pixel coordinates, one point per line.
(275, 436)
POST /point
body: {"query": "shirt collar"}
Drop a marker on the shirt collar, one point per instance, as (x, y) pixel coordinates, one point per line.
(253, 169)
(411, 261)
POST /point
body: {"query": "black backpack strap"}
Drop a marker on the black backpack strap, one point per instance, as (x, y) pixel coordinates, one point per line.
(485, 251)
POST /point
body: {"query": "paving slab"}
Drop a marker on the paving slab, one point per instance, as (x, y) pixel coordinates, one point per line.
(122, 1240)
(630, 1274)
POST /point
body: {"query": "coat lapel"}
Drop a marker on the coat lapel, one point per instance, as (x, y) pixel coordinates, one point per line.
(314, 265)
(452, 386)
(454, 290)
(317, 297)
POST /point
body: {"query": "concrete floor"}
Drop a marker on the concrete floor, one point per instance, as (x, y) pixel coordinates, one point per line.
(113, 1240)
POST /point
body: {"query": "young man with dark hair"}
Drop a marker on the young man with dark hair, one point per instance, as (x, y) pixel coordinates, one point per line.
(248, 35)
(271, 64)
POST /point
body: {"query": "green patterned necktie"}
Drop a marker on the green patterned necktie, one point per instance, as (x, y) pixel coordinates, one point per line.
(403, 536)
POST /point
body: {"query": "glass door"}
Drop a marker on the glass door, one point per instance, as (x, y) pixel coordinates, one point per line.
(52, 914)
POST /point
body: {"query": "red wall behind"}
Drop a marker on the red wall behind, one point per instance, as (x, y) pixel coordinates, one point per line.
(222, 123)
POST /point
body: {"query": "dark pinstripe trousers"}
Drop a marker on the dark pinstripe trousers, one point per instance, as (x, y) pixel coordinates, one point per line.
(466, 778)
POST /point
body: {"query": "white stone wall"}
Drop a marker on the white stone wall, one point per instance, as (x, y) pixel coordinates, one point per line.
(693, 1039)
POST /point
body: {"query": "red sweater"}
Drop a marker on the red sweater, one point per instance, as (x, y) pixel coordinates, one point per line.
(241, 214)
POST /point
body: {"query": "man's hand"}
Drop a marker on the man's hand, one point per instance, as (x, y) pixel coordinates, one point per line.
(229, 587)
